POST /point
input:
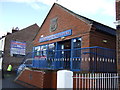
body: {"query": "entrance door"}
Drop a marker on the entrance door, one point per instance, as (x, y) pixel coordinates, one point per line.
(64, 51)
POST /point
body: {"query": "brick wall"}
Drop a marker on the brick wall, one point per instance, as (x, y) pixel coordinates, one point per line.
(80, 28)
(38, 79)
(96, 39)
(117, 9)
(65, 22)
(118, 37)
(25, 35)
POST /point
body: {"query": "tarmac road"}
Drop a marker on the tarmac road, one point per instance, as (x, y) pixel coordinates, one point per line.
(8, 82)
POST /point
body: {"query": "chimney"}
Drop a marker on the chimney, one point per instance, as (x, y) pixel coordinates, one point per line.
(3, 36)
(15, 29)
(8, 33)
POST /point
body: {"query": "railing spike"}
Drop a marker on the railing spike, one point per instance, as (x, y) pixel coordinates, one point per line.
(76, 59)
(65, 59)
(93, 59)
(103, 59)
(89, 59)
(73, 59)
(82, 59)
(113, 61)
(106, 60)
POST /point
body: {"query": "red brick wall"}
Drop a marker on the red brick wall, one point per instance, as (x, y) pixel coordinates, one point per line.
(80, 28)
(39, 79)
(118, 37)
(96, 39)
(65, 22)
(25, 35)
(117, 9)
(31, 77)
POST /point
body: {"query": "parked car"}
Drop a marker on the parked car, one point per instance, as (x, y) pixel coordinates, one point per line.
(26, 63)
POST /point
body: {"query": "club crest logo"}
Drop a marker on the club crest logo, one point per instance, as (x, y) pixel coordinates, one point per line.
(53, 24)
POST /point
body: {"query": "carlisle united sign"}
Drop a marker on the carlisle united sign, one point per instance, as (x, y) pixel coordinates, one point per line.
(55, 36)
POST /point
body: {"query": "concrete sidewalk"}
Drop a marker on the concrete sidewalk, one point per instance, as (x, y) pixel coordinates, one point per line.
(8, 81)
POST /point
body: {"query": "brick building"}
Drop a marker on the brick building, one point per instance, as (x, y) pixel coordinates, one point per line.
(17, 45)
(118, 35)
(118, 30)
(2, 42)
(65, 34)
(69, 41)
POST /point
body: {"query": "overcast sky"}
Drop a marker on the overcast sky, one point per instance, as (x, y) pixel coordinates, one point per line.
(23, 13)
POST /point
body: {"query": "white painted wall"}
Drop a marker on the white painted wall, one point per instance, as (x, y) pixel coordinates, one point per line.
(0, 64)
(2, 44)
(64, 79)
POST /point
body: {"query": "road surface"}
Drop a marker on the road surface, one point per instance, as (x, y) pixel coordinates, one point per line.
(8, 81)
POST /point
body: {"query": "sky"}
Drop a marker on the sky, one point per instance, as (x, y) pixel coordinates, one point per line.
(23, 13)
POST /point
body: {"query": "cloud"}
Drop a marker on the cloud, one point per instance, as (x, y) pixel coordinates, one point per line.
(82, 6)
(88, 8)
(33, 3)
(2, 30)
(19, 1)
(2, 33)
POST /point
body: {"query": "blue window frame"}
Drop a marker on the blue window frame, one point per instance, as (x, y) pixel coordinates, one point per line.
(67, 49)
(75, 54)
(51, 50)
(76, 45)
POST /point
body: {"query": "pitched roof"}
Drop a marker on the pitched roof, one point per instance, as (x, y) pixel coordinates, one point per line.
(99, 26)
(31, 30)
(33, 26)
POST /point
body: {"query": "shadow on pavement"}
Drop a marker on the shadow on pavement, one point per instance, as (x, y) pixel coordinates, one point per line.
(8, 81)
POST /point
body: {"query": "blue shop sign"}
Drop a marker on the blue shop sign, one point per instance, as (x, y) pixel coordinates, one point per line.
(55, 36)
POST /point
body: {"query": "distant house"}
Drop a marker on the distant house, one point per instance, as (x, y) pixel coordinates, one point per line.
(2, 42)
(68, 37)
(17, 45)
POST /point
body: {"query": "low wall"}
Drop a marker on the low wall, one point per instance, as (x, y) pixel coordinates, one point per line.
(37, 79)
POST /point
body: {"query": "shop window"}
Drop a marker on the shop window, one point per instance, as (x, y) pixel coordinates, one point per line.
(37, 51)
(40, 51)
(51, 50)
(64, 49)
(76, 47)
(43, 51)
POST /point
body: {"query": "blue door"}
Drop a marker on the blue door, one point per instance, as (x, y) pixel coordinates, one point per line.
(64, 52)
(75, 54)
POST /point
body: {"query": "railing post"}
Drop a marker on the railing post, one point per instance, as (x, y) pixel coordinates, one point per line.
(64, 79)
